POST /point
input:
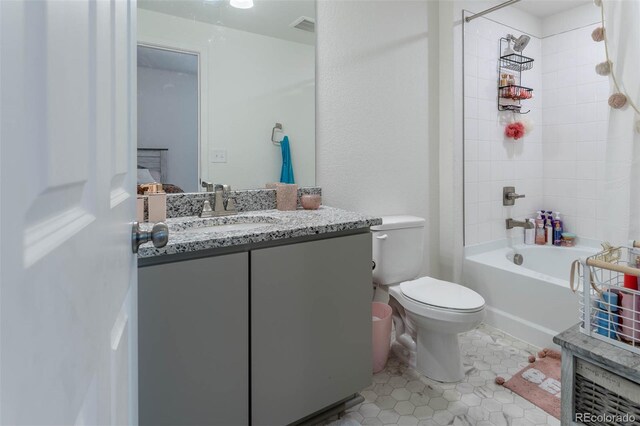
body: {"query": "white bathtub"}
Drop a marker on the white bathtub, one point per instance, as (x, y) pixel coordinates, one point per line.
(532, 302)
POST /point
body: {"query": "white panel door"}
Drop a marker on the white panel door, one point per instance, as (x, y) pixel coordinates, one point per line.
(67, 199)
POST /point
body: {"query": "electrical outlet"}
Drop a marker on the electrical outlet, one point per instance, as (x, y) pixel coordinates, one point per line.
(219, 156)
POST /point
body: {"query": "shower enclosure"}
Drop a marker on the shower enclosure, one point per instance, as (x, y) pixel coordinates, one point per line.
(560, 164)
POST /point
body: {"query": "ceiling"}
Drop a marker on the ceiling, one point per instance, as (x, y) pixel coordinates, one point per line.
(544, 8)
(267, 17)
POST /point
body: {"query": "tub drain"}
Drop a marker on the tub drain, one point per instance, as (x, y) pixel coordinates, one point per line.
(518, 259)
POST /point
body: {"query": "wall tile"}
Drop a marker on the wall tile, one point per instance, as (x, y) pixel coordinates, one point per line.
(559, 166)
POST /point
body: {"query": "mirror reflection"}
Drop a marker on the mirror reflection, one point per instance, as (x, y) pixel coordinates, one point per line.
(222, 89)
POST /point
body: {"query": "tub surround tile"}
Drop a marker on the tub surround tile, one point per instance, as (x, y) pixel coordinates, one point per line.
(190, 203)
(618, 360)
(278, 225)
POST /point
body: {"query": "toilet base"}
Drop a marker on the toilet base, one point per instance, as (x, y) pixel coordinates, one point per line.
(438, 356)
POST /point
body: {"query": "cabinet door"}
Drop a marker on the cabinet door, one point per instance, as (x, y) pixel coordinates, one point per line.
(310, 326)
(194, 342)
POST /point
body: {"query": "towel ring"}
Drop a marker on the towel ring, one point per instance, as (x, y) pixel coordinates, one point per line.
(276, 128)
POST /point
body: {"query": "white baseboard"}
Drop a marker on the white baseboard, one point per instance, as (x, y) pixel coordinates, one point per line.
(520, 328)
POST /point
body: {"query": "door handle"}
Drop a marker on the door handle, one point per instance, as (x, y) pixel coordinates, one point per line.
(159, 235)
(382, 237)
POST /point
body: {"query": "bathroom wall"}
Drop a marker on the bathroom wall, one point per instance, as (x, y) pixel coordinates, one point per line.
(249, 82)
(575, 122)
(374, 150)
(168, 118)
(493, 161)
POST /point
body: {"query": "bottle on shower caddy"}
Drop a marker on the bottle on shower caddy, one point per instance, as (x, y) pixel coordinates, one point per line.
(548, 231)
(530, 233)
(540, 237)
(557, 230)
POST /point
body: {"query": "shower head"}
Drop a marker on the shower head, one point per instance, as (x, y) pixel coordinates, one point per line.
(519, 43)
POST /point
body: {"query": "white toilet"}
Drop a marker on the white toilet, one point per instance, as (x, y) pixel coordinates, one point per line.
(428, 314)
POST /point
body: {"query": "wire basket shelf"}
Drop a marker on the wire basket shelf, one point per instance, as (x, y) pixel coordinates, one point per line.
(515, 92)
(609, 307)
(516, 62)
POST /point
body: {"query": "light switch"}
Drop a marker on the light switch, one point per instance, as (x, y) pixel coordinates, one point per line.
(219, 156)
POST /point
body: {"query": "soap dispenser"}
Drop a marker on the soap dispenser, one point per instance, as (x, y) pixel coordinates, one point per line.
(540, 236)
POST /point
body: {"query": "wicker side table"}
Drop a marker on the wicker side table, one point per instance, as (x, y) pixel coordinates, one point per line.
(600, 382)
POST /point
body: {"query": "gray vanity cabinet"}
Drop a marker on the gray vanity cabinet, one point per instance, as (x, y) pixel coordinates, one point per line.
(267, 336)
(310, 326)
(193, 321)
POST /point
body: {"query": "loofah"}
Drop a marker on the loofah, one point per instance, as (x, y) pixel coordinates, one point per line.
(499, 380)
(597, 2)
(532, 359)
(617, 100)
(514, 130)
(603, 68)
(598, 34)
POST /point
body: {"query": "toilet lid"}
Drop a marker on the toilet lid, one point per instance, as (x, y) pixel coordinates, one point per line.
(442, 294)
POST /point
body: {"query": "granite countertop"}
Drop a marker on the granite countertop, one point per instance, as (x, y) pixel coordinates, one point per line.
(191, 233)
(621, 361)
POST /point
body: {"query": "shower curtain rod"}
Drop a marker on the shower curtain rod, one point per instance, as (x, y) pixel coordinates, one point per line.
(491, 9)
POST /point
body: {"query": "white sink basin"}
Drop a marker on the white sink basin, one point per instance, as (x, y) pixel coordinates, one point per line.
(227, 227)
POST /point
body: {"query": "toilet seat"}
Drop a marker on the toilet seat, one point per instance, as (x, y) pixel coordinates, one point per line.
(442, 295)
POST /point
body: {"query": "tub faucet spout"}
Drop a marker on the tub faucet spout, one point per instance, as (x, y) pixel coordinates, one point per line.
(512, 223)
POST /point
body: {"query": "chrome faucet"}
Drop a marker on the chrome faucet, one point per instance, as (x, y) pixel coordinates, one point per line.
(512, 223)
(207, 185)
(509, 196)
(221, 207)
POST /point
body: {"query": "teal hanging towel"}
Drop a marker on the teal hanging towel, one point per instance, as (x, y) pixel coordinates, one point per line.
(286, 176)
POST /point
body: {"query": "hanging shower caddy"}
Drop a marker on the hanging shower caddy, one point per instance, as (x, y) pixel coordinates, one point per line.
(609, 311)
(510, 89)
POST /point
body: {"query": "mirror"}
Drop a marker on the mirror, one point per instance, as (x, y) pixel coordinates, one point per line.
(214, 84)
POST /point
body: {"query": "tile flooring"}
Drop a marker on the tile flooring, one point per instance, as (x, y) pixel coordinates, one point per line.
(401, 396)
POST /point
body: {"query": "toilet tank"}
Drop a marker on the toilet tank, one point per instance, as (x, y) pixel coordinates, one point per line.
(398, 246)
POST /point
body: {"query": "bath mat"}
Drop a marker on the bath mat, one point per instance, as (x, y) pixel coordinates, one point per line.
(539, 382)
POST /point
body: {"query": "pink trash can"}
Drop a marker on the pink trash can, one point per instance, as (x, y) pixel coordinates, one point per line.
(381, 317)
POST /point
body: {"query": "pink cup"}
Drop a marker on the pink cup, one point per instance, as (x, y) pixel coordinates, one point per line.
(381, 316)
(311, 201)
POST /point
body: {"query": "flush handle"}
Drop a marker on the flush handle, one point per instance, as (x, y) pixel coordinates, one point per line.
(159, 235)
(382, 237)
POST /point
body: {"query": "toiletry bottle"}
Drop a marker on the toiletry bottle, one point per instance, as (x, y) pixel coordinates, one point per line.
(557, 230)
(607, 320)
(530, 233)
(157, 203)
(548, 231)
(540, 230)
(547, 217)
